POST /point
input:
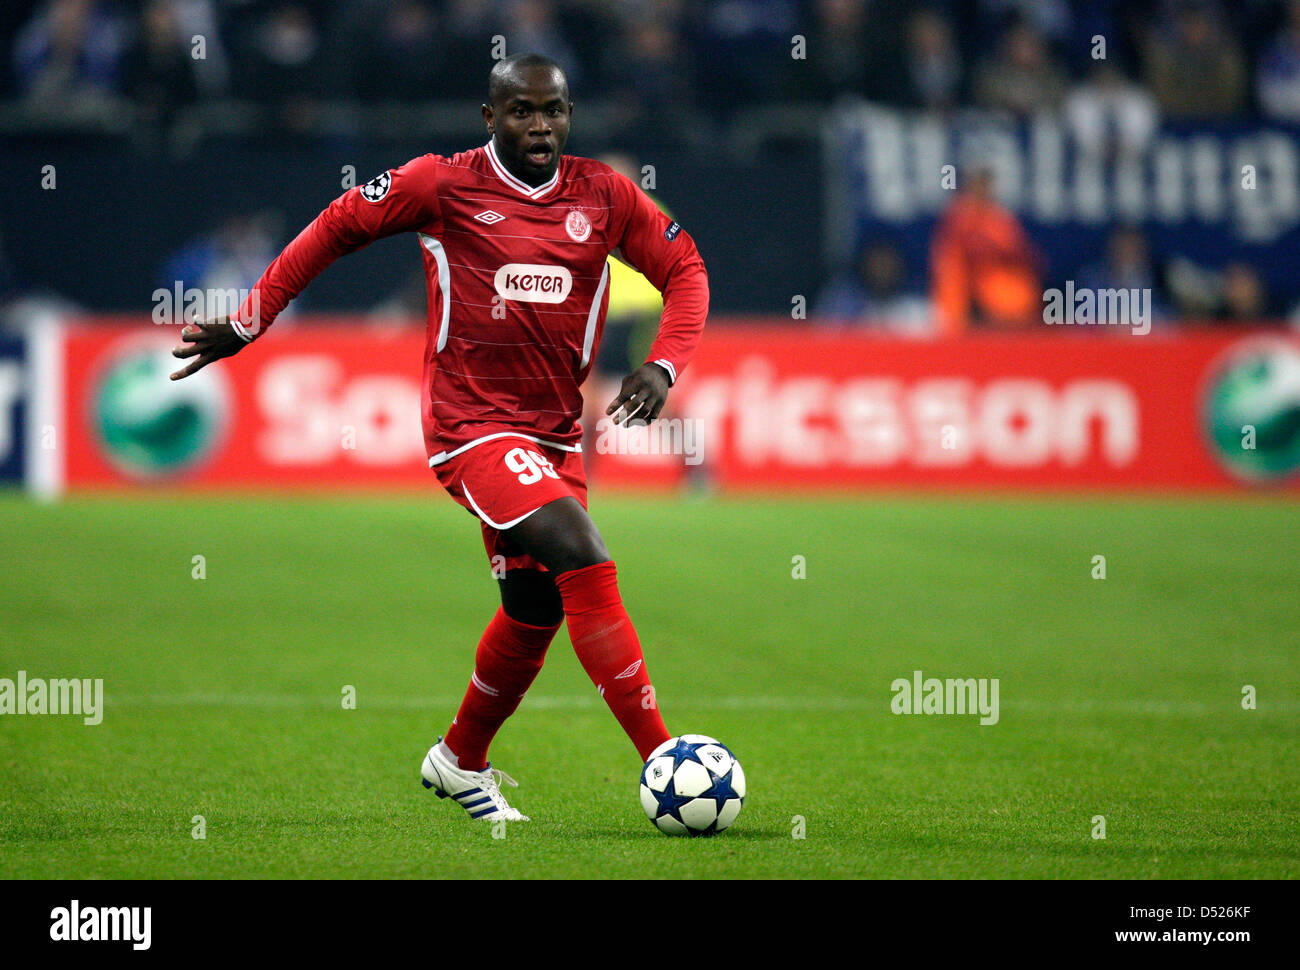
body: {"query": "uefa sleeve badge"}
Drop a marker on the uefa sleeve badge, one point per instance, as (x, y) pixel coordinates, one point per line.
(377, 187)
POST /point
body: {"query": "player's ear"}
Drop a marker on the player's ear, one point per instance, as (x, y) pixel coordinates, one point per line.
(487, 117)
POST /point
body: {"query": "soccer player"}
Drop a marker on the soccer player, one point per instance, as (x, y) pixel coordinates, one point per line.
(514, 237)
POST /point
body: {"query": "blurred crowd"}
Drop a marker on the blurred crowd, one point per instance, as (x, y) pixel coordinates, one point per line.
(1192, 59)
(690, 64)
(985, 273)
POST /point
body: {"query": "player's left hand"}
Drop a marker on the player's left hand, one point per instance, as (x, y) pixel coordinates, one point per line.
(642, 395)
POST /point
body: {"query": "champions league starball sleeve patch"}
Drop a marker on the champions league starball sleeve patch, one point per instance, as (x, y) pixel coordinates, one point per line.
(377, 187)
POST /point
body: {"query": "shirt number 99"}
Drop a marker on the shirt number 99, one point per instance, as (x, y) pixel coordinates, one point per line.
(529, 465)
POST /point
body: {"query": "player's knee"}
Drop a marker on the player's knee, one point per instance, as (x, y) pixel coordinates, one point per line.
(529, 596)
(579, 549)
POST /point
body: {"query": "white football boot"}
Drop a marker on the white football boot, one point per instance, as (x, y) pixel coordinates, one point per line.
(478, 792)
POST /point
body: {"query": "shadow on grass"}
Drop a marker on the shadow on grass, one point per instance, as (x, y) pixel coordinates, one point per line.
(649, 834)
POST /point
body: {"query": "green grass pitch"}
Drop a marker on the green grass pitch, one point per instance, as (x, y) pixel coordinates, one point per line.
(1120, 697)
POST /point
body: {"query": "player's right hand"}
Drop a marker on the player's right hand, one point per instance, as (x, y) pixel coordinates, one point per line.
(209, 342)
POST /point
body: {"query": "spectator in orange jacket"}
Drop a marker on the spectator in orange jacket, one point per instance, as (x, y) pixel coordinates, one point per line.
(985, 270)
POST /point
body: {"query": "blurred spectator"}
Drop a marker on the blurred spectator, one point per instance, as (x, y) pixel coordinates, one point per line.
(838, 62)
(1195, 71)
(280, 62)
(69, 49)
(532, 26)
(1110, 115)
(230, 258)
(985, 270)
(1194, 291)
(159, 68)
(202, 18)
(397, 56)
(1091, 19)
(1050, 19)
(649, 73)
(1235, 293)
(1023, 78)
(1127, 266)
(465, 29)
(1278, 74)
(1243, 297)
(934, 66)
(873, 293)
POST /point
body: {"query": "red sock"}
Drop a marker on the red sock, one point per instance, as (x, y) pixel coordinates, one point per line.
(507, 662)
(608, 649)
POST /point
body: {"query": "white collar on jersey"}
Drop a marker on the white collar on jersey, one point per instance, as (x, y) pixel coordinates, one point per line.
(518, 184)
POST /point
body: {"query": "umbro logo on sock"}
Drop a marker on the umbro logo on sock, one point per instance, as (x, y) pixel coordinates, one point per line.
(630, 672)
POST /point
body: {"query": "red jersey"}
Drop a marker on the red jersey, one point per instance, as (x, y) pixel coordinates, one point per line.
(517, 284)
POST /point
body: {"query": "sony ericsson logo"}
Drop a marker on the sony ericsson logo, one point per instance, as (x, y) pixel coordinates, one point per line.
(149, 427)
(1251, 409)
(531, 283)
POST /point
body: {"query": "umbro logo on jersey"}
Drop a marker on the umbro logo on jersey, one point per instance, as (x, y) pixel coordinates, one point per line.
(377, 187)
(488, 217)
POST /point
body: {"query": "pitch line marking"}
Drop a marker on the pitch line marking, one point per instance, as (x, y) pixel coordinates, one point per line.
(879, 705)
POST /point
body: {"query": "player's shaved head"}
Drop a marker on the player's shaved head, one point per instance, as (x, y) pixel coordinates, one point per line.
(528, 114)
(511, 73)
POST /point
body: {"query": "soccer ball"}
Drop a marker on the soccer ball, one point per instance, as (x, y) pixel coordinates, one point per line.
(692, 785)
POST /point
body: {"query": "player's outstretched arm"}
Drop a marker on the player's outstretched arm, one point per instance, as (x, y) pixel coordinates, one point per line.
(642, 395)
(659, 248)
(399, 200)
(208, 342)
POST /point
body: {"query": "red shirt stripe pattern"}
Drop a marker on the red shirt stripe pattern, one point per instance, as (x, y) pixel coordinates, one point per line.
(517, 285)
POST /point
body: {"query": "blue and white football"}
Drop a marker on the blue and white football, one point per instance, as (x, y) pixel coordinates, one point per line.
(692, 785)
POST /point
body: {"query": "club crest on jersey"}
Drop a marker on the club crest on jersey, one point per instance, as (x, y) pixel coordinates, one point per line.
(377, 187)
(577, 226)
(531, 283)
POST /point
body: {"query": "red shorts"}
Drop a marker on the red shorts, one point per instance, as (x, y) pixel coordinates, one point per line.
(505, 480)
